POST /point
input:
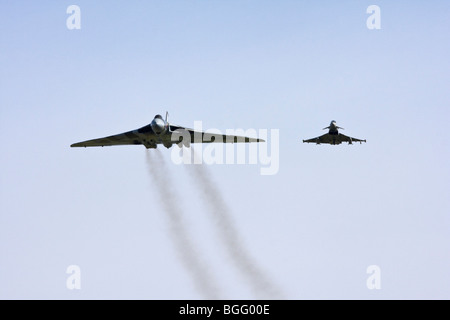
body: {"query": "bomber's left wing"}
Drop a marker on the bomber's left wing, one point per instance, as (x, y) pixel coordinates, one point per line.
(348, 139)
(203, 137)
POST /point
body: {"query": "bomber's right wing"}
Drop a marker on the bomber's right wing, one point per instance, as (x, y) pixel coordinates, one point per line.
(126, 138)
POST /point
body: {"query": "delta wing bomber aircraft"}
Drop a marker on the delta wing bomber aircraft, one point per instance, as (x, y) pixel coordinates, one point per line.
(159, 131)
(333, 136)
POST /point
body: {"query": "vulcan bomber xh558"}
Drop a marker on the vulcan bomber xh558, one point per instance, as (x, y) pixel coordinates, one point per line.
(160, 131)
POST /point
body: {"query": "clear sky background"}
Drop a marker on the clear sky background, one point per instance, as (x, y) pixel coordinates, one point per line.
(312, 229)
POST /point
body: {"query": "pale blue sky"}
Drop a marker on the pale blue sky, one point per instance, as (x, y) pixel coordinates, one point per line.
(314, 228)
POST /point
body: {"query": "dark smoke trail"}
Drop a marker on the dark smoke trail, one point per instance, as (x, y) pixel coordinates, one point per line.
(259, 282)
(182, 241)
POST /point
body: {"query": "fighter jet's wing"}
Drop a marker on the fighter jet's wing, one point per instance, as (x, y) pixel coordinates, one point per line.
(333, 139)
(203, 137)
(325, 138)
(348, 139)
(127, 138)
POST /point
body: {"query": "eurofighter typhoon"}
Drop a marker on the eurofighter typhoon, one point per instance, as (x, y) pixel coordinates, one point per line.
(333, 136)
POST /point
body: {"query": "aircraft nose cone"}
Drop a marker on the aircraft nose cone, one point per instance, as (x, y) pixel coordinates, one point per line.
(158, 125)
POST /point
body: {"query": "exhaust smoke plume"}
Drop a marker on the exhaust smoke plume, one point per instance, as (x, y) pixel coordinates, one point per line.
(190, 258)
(259, 282)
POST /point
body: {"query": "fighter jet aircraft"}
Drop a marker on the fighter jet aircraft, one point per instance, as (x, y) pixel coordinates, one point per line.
(159, 131)
(333, 136)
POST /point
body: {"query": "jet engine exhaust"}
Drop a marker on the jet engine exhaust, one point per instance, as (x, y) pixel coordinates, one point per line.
(184, 246)
(259, 282)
